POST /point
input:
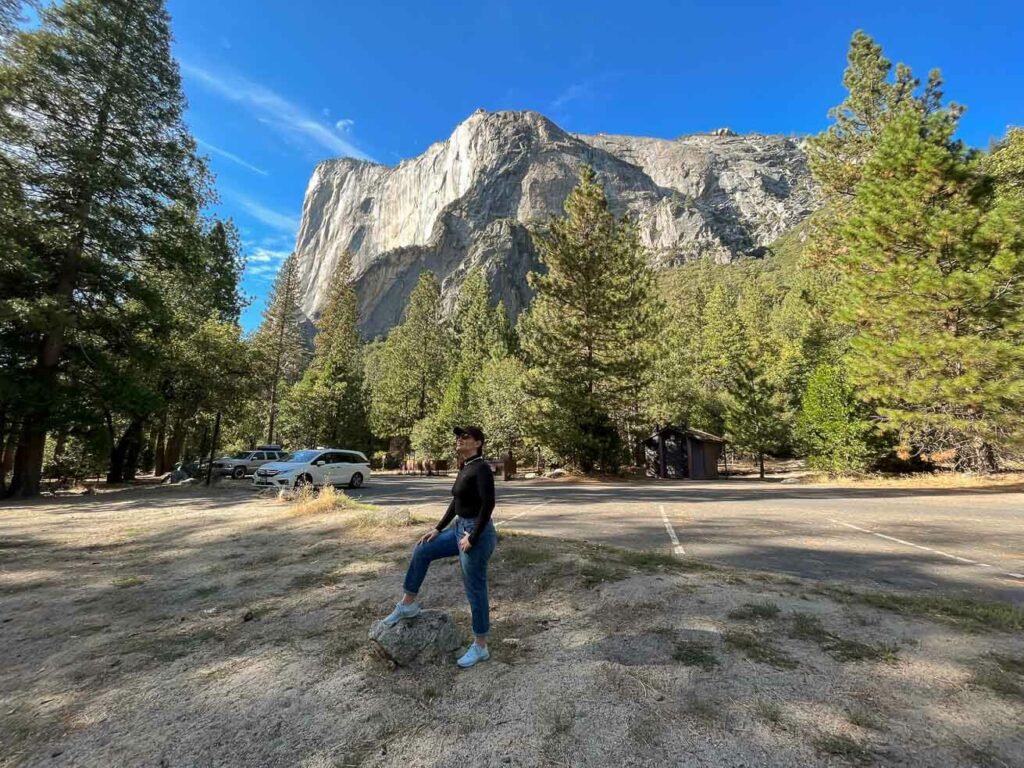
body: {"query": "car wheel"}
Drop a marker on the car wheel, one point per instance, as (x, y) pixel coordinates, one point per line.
(303, 481)
(355, 481)
(238, 473)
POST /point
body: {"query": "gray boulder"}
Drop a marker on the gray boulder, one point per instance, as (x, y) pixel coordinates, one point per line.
(430, 636)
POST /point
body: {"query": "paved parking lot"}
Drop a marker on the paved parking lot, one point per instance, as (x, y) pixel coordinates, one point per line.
(951, 540)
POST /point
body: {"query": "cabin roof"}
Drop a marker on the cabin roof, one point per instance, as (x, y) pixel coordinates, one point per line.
(696, 434)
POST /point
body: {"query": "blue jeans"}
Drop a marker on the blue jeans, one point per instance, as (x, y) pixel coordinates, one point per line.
(473, 562)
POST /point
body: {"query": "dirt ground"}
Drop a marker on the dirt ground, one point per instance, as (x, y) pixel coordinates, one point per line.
(186, 627)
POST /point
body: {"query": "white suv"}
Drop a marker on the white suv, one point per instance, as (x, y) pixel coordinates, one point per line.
(243, 463)
(323, 466)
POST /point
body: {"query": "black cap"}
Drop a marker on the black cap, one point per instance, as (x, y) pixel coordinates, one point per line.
(475, 432)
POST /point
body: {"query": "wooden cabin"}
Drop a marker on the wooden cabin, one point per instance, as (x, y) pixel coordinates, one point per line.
(681, 452)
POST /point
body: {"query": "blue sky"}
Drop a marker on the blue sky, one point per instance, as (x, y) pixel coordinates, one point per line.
(274, 87)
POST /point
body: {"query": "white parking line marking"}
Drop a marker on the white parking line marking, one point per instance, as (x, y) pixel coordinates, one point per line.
(677, 548)
(926, 549)
(525, 512)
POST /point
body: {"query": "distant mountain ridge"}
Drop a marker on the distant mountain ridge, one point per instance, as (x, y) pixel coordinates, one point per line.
(467, 201)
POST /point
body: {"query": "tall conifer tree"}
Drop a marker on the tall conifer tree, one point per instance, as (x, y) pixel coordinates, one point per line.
(587, 334)
(280, 342)
(411, 368)
(933, 270)
(94, 148)
(327, 406)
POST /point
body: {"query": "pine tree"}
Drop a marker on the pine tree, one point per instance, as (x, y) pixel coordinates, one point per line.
(721, 348)
(501, 401)
(877, 94)
(674, 394)
(480, 329)
(838, 156)
(754, 413)
(586, 335)
(11, 15)
(410, 369)
(327, 406)
(431, 436)
(280, 341)
(1006, 162)
(94, 149)
(933, 269)
(643, 315)
(833, 426)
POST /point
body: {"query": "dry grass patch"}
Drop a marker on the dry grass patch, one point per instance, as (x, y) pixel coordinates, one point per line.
(806, 627)
(972, 614)
(298, 683)
(757, 647)
(692, 653)
(864, 718)
(312, 501)
(769, 711)
(755, 611)
(1002, 674)
(169, 646)
(841, 745)
(919, 480)
(124, 582)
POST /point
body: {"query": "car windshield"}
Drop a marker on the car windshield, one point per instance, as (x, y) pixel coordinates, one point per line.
(303, 457)
(240, 455)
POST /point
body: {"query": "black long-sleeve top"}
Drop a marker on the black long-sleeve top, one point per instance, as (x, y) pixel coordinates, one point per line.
(472, 496)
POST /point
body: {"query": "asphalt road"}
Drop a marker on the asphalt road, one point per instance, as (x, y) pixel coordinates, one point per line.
(956, 541)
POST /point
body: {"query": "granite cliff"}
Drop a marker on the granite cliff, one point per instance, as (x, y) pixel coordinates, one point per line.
(468, 202)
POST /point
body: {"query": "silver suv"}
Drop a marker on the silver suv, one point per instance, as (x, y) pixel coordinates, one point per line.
(243, 463)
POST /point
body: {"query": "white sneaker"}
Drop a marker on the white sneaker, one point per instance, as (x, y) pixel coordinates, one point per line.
(473, 655)
(402, 611)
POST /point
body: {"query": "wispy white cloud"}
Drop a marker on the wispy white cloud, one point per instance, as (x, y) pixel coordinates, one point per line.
(267, 256)
(230, 156)
(277, 242)
(276, 110)
(344, 124)
(572, 93)
(263, 264)
(276, 219)
(599, 86)
(264, 271)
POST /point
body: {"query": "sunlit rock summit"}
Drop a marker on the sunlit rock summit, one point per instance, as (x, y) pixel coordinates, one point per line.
(468, 201)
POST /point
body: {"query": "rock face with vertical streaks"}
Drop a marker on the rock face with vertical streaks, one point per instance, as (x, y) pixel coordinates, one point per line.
(469, 202)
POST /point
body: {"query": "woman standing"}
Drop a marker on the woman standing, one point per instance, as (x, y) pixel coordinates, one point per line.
(472, 538)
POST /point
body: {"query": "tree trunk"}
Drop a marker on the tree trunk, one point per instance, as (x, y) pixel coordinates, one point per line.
(10, 444)
(760, 459)
(174, 445)
(978, 457)
(160, 463)
(60, 445)
(28, 460)
(213, 448)
(3, 453)
(131, 458)
(273, 412)
(125, 451)
(149, 454)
